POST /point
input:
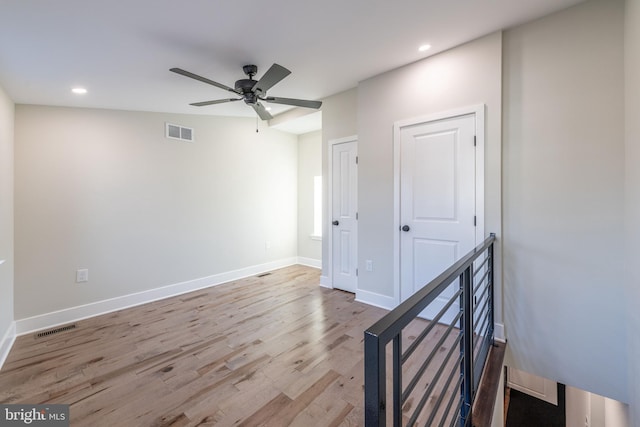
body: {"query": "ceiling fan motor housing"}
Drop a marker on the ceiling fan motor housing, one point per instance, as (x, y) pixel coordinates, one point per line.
(245, 88)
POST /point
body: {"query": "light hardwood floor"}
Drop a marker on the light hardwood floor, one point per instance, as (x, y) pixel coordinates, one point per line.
(276, 350)
(263, 351)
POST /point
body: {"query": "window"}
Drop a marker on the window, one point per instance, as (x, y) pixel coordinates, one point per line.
(317, 208)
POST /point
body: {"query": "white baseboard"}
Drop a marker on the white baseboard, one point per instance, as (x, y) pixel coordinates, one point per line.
(73, 314)
(375, 299)
(310, 262)
(7, 342)
(325, 282)
(498, 332)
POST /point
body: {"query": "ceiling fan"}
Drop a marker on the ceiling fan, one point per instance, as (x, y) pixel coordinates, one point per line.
(253, 91)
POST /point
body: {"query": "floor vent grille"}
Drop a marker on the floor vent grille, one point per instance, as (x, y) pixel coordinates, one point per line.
(263, 274)
(55, 331)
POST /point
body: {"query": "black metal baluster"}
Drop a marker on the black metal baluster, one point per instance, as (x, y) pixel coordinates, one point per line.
(467, 342)
(374, 381)
(397, 380)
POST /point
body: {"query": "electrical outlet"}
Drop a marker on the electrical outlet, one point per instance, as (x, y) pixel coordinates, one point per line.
(368, 265)
(82, 275)
(267, 245)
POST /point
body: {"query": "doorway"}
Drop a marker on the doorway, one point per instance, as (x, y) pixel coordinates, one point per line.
(343, 209)
(439, 170)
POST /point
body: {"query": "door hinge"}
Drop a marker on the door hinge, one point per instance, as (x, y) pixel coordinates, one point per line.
(474, 140)
(356, 160)
(356, 215)
(475, 220)
(356, 272)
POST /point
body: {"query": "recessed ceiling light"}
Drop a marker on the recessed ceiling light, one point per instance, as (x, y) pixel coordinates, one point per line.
(424, 47)
(79, 90)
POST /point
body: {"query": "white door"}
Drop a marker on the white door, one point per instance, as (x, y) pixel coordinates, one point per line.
(437, 203)
(533, 385)
(344, 226)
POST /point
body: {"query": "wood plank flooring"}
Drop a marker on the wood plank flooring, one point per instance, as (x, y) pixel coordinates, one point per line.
(276, 350)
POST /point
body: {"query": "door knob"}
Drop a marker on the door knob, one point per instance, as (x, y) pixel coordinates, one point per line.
(406, 228)
(335, 222)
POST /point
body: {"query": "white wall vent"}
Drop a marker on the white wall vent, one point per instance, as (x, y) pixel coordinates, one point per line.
(179, 132)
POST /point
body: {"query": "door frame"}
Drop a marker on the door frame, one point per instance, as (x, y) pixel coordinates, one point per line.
(329, 211)
(479, 112)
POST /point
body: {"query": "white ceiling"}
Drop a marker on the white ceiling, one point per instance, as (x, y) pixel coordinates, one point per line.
(304, 123)
(121, 51)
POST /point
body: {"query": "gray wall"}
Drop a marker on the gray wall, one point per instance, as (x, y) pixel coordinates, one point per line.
(309, 165)
(6, 212)
(555, 185)
(338, 121)
(563, 180)
(632, 195)
(465, 76)
(105, 190)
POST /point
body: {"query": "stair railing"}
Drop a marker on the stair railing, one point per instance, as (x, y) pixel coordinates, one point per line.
(436, 369)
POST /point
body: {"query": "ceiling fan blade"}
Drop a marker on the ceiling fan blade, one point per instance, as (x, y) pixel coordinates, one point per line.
(296, 102)
(270, 78)
(262, 112)
(216, 101)
(202, 79)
